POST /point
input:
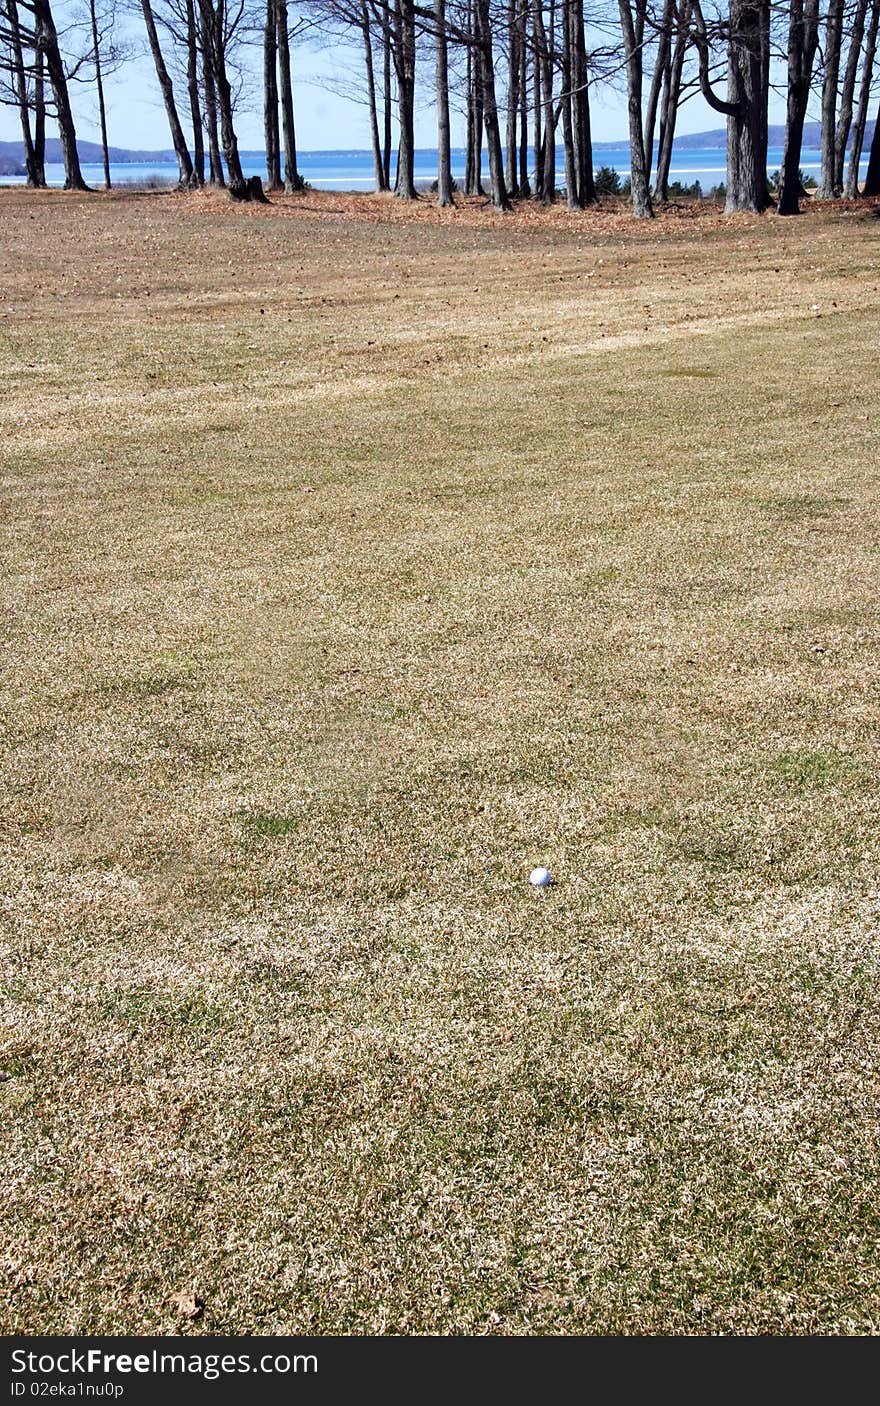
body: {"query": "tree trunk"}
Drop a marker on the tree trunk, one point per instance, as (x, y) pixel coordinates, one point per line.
(547, 182)
(632, 26)
(764, 126)
(405, 72)
(215, 162)
(525, 188)
(553, 112)
(444, 140)
(572, 189)
(747, 98)
(47, 43)
(181, 150)
(803, 40)
(469, 122)
(669, 104)
(378, 166)
(270, 98)
(537, 118)
(473, 176)
(582, 123)
(659, 79)
(490, 106)
(475, 128)
(228, 138)
(833, 42)
(99, 85)
(239, 188)
(192, 83)
(513, 75)
(872, 176)
(748, 94)
(40, 117)
(851, 189)
(847, 93)
(386, 92)
(293, 181)
(21, 93)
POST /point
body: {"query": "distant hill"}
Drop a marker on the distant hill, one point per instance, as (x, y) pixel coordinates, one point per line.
(12, 153)
(717, 139)
(89, 152)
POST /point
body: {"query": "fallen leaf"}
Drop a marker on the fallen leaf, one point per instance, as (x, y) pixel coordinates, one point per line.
(187, 1304)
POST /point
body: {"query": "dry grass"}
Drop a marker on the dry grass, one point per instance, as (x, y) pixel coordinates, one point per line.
(356, 559)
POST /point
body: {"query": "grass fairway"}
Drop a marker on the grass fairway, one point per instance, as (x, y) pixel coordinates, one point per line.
(356, 560)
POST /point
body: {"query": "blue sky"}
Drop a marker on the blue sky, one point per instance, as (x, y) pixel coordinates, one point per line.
(325, 118)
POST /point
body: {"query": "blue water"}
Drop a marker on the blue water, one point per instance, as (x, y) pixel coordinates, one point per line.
(353, 170)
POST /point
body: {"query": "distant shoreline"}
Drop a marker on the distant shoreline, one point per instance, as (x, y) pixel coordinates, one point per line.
(688, 143)
(353, 170)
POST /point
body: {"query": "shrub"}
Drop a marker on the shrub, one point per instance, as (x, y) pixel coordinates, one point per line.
(677, 191)
(607, 181)
(807, 182)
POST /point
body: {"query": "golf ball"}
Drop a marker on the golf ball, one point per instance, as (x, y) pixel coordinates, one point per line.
(539, 878)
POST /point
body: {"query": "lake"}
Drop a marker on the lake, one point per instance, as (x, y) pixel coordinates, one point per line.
(353, 170)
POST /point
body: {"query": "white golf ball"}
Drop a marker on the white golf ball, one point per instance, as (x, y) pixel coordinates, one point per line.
(540, 877)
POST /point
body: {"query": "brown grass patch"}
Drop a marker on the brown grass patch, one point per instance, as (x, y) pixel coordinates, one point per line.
(356, 558)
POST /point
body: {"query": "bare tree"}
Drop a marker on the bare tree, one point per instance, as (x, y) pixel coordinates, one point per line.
(473, 176)
(851, 187)
(524, 185)
(11, 31)
(872, 175)
(192, 87)
(748, 87)
(271, 130)
(212, 127)
(444, 155)
(545, 117)
(46, 43)
(404, 56)
(661, 68)
(803, 40)
(104, 56)
(673, 72)
(219, 30)
(490, 106)
(833, 44)
(386, 91)
(632, 24)
(572, 190)
(181, 150)
(514, 44)
(379, 168)
(292, 179)
(583, 138)
(847, 92)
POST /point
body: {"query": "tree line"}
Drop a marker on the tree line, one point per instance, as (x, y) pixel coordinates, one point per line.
(522, 73)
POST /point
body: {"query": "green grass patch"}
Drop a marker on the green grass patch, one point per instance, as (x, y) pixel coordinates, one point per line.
(267, 825)
(812, 769)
